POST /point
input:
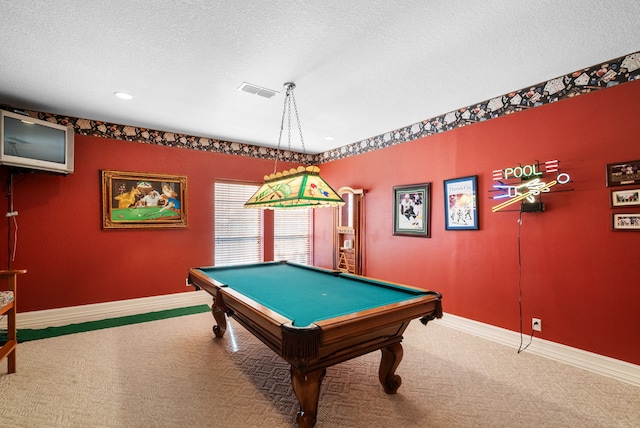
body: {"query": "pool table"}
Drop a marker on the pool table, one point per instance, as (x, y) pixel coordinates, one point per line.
(314, 318)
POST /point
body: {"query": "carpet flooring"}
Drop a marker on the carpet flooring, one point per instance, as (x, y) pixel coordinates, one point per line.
(175, 373)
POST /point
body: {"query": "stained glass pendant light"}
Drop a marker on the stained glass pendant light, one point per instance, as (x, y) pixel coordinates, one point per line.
(295, 188)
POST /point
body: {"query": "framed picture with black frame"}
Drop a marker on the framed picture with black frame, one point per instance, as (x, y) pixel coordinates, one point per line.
(626, 221)
(461, 203)
(623, 173)
(411, 210)
(625, 198)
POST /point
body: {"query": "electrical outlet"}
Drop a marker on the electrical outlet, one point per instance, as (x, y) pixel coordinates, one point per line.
(536, 324)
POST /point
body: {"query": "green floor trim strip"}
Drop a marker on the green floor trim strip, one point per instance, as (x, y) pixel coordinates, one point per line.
(25, 335)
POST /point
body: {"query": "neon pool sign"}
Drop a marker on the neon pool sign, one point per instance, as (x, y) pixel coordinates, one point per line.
(530, 185)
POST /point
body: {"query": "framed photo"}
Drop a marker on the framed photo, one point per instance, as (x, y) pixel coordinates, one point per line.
(461, 203)
(411, 210)
(132, 200)
(623, 173)
(627, 221)
(625, 198)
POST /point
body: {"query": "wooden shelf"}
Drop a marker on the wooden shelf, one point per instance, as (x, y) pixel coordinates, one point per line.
(345, 230)
(8, 350)
(347, 261)
(6, 308)
(349, 228)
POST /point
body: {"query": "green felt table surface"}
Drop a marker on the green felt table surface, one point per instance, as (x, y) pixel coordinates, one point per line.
(141, 214)
(305, 294)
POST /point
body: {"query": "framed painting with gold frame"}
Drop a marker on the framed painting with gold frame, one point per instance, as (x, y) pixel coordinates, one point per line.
(132, 200)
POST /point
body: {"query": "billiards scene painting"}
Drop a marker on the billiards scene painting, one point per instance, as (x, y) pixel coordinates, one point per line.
(143, 200)
(315, 318)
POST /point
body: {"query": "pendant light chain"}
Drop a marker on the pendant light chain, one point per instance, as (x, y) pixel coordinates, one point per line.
(295, 108)
(289, 95)
(294, 188)
(286, 111)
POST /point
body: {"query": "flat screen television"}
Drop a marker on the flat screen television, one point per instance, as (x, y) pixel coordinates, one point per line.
(35, 144)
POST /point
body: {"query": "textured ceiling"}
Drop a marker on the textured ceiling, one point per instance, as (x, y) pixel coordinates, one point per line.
(362, 68)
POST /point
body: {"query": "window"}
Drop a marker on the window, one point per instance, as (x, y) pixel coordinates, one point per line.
(237, 229)
(291, 239)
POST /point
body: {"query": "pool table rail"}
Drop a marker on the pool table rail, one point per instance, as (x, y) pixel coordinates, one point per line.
(263, 322)
(323, 343)
(385, 283)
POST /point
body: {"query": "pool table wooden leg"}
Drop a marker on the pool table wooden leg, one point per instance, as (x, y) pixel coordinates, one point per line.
(221, 321)
(391, 357)
(307, 389)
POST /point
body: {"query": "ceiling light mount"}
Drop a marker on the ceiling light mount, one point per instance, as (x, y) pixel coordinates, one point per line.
(295, 188)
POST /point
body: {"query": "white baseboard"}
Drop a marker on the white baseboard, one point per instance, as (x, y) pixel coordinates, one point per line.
(596, 363)
(100, 311)
(616, 369)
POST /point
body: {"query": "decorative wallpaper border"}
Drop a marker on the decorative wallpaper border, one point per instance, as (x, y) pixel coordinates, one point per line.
(172, 139)
(610, 73)
(604, 75)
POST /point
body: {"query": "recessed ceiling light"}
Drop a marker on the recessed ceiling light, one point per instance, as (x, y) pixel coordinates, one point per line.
(329, 138)
(123, 95)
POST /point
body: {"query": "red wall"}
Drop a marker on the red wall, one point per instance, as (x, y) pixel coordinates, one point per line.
(580, 277)
(72, 261)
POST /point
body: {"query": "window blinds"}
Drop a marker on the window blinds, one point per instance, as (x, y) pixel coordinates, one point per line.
(237, 229)
(292, 235)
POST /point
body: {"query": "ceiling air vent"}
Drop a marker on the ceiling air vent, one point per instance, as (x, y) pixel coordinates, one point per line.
(255, 89)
